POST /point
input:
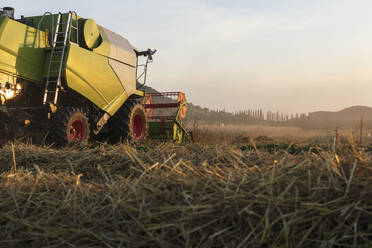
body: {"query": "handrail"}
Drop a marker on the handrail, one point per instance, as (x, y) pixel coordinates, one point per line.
(42, 19)
(52, 31)
(77, 25)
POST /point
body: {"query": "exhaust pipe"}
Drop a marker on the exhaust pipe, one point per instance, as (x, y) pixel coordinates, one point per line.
(9, 11)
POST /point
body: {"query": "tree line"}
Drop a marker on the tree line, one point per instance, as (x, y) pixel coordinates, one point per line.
(201, 115)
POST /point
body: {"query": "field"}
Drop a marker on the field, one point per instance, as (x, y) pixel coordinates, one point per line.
(277, 188)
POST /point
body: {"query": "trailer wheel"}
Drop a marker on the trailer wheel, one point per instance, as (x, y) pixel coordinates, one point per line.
(69, 125)
(129, 123)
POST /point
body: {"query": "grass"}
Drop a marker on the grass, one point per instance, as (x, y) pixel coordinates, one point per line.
(193, 195)
(234, 133)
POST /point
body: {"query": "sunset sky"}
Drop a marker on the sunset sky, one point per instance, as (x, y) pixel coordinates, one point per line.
(291, 56)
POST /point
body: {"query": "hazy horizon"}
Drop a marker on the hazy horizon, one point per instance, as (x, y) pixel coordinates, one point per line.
(291, 56)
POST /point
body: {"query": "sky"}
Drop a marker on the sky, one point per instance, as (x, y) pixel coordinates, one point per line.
(294, 56)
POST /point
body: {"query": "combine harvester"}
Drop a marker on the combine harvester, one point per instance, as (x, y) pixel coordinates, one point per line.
(68, 77)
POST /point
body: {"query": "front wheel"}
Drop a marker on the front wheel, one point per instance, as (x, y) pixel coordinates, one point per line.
(69, 125)
(128, 123)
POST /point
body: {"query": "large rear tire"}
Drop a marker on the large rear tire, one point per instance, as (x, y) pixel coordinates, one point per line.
(69, 125)
(129, 123)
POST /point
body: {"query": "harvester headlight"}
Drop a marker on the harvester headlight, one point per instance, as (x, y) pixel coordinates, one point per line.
(9, 93)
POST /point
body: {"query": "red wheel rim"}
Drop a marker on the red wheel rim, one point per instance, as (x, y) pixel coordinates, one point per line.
(138, 124)
(77, 130)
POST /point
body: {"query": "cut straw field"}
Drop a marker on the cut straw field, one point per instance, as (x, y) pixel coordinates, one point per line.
(195, 195)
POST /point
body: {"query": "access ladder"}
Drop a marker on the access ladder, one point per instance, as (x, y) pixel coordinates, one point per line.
(60, 41)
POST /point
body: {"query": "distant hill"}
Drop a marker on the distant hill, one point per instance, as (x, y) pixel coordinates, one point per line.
(345, 118)
(146, 88)
(348, 114)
